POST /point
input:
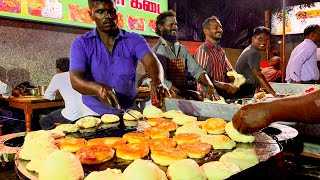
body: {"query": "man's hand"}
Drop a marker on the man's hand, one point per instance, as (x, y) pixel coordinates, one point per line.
(252, 118)
(212, 93)
(107, 95)
(157, 93)
(231, 89)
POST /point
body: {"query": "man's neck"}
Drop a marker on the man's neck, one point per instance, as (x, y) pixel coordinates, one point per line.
(108, 36)
(170, 44)
(213, 41)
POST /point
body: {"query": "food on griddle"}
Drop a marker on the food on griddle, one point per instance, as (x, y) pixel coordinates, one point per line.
(132, 115)
(195, 150)
(135, 137)
(56, 133)
(109, 118)
(68, 128)
(33, 150)
(61, 165)
(156, 133)
(172, 113)
(107, 125)
(214, 125)
(95, 154)
(190, 129)
(219, 169)
(152, 112)
(109, 174)
(235, 135)
(143, 170)
(130, 123)
(113, 142)
(243, 157)
(154, 121)
(186, 169)
(88, 122)
(166, 125)
(186, 137)
(219, 141)
(70, 144)
(239, 79)
(161, 142)
(133, 151)
(259, 95)
(182, 119)
(35, 163)
(165, 156)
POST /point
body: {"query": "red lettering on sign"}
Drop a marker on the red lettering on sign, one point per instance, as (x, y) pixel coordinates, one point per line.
(135, 4)
(120, 2)
(145, 5)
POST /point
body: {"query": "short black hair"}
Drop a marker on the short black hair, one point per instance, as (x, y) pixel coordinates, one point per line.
(63, 64)
(90, 2)
(309, 29)
(260, 30)
(206, 23)
(162, 17)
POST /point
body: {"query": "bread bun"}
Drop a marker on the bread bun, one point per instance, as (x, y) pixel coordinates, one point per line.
(239, 79)
(109, 118)
(162, 143)
(33, 150)
(56, 133)
(218, 141)
(172, 113)
(135, 137)
(182, 119)
(88, 122)
(186, 169)
(102, 126)
(129, 115)
(166, 125)
(113, 142)
(132, 151)
(236, 135)
(186, 137)
(70, 144)
(214, 125)
(152, 112)
(243, 157)
(190, 129)
(61, 165)
(154, 121)
(195, 149)
(95, 154)
(110, 174)
(130, 123)
(156, 133)
(165, 156)
(219, 169)
(143, 170)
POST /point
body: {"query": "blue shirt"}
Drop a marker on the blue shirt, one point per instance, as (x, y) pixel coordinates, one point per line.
(302, 65)
(117, 70)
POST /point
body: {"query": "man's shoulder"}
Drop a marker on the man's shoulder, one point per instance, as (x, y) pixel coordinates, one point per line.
(130, 35)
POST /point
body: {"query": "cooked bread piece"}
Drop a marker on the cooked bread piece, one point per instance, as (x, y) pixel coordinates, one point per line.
(109, 174)
(135, 137)
(152, 112)
(239, 79)
(220, 101)
(165, 156)
(35, 163)
(162, 143)
(70, 144)
(108, 125)
(172, 113)
(61, 165)
(95, 154)
(218, 141)
(56, 133)
(113, 142)
(143, 170)
(166, 125)
(154, 121)
(219, 170)
(236, 135)
(33, 150)
(185, 169)
(88, 122)
(68, 128)
(195, 149)
(182, 119)
(186, 137)
(243, 157)
(42, 137)
(259, 95)
(133, 151)
(109, 118)
(130, 123)
(214, 125)
(156, 133)
(190, 129)
(132, 115)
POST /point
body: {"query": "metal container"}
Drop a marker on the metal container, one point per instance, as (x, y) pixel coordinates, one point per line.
(32, 91)
(42, 90)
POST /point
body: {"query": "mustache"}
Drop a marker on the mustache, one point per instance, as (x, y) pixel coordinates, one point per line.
(108, 21)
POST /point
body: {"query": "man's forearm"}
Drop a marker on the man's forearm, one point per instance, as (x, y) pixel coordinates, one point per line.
(205, 80)
(83, 86)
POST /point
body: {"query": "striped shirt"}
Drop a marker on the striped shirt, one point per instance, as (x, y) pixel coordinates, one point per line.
(213, 59)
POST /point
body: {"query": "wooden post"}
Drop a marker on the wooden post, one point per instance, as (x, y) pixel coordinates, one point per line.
(283, 41)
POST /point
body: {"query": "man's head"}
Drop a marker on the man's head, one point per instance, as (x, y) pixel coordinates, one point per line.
(104, 14)
(260, 37)
(312, 32)
(62, 64)
(167, 26)
(212, 28)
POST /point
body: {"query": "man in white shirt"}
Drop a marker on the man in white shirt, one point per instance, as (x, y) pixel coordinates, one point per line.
(5, 90)
(74, 108)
